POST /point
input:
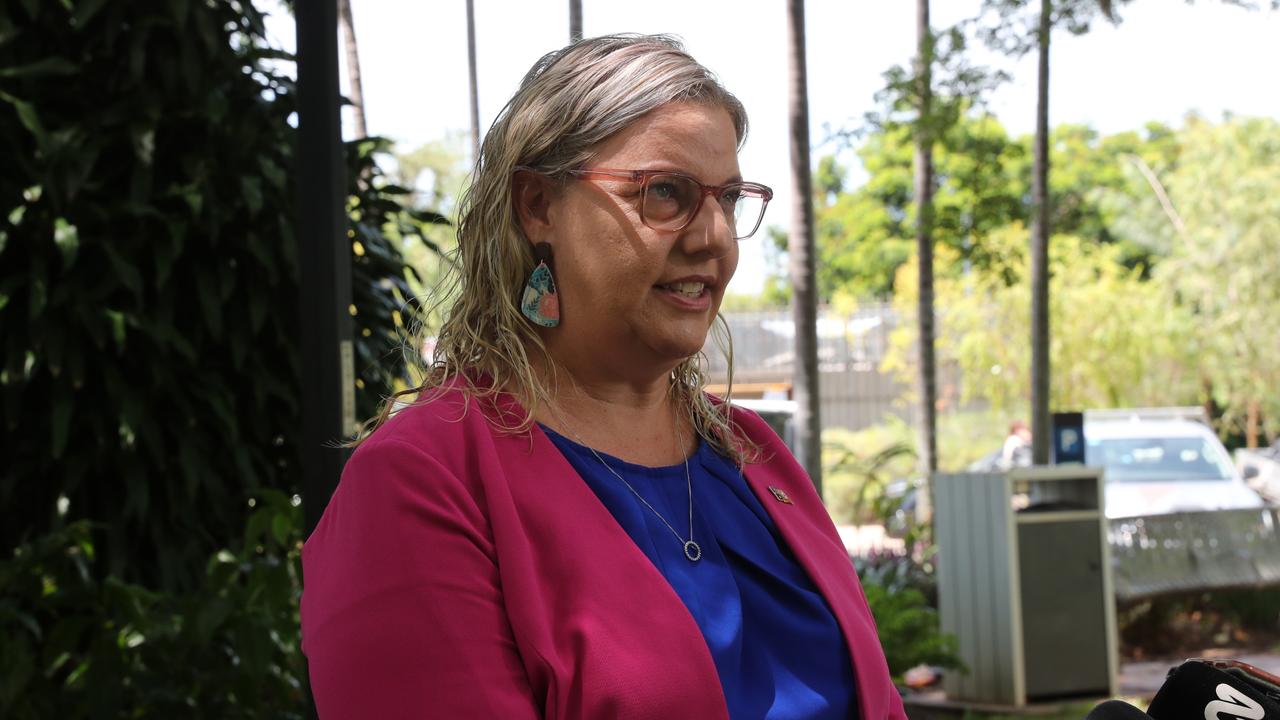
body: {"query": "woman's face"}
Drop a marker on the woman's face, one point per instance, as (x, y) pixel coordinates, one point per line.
(615, 275)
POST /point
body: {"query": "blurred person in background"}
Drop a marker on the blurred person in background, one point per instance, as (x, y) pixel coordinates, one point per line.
(1017, 446)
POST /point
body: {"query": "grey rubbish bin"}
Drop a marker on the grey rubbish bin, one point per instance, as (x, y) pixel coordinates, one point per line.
(1024, 583)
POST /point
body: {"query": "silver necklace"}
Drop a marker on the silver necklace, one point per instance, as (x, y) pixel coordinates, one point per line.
(692, 550)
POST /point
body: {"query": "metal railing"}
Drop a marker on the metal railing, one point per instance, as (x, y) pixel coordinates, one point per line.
(1181, 552)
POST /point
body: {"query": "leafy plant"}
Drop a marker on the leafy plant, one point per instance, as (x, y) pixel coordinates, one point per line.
(76, 646)
(908, 630)
(901, 571)
(149, 359)
(148, 296)
(856, 479)
(148, 277)
(381, 221)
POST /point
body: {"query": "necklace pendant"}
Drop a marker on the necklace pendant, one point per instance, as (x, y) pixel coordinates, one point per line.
(692, 551)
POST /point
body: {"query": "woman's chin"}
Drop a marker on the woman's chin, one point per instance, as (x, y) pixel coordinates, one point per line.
(680, 348)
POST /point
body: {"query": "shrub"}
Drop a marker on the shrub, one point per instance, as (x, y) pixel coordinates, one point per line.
(73, 645)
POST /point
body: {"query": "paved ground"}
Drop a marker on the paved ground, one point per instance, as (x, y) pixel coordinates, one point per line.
(1138, 683)
(1143, 679)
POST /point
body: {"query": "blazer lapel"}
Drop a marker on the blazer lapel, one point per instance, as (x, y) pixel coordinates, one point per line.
(801, 523)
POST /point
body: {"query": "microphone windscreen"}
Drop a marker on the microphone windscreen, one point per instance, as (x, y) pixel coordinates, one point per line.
(1117, 710)
(1196, 691)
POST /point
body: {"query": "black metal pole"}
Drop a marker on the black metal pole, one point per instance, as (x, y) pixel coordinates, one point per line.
(575, 20)
(324, 254)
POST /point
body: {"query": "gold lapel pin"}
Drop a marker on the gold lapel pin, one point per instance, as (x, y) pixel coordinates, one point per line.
(780, 495)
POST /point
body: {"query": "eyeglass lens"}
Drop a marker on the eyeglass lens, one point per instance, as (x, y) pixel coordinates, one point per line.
(670, 200)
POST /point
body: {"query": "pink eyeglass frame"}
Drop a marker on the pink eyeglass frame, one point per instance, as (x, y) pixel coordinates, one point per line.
(644, 176)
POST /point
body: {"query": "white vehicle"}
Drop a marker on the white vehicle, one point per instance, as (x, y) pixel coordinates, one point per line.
(1163, 460)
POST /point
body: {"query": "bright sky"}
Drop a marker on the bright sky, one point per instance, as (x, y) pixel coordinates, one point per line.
(1165, 59)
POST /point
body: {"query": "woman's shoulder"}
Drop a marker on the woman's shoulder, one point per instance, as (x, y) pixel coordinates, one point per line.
(747, 423)
(442, 421)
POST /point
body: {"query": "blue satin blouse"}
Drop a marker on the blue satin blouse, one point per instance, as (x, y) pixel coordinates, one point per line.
(777, 647)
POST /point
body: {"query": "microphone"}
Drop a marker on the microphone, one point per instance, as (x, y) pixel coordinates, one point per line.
(1217, 690)
(1205, 690)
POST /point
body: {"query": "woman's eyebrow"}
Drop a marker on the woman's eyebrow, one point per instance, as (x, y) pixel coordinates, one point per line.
(680, 170)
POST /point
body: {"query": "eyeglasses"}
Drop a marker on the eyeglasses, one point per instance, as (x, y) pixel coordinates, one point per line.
(670, 201)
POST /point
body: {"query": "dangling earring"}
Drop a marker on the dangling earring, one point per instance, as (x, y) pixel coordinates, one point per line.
(540, 303)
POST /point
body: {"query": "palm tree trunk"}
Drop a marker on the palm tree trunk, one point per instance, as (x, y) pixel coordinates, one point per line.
(927, 379)
(475, 93)
(1253, 422)
(353, 67)
(800, 249)
(1040, 419)
(575, 20)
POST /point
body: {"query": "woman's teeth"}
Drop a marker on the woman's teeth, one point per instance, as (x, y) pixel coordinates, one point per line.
(690, 289)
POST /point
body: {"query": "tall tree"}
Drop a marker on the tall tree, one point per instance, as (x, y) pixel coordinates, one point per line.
(1225, 195)
(1040, 251)
(1018, 33)
(348, 24)
(575, 20)
(471, 70)
(927, 427)
(804, 297)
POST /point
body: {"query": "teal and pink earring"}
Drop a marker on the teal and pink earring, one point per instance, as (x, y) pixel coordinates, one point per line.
(539, 302)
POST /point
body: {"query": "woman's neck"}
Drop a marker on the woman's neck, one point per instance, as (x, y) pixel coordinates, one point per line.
(630, 418)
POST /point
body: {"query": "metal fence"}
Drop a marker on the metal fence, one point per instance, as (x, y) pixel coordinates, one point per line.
(1178, 552)
(854, 393)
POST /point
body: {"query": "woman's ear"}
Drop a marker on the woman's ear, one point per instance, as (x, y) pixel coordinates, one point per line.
(532, 194)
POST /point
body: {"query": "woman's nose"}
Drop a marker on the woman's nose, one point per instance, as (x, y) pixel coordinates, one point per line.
(710, 231)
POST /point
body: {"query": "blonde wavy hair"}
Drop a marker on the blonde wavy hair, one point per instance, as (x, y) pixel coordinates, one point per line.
(572, 100)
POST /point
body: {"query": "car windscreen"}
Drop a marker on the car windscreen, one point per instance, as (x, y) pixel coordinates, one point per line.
(1166, 459)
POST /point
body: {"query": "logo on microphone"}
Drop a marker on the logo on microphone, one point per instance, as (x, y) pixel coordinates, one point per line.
(1233, 704)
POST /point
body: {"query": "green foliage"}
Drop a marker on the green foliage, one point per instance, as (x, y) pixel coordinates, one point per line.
(148, 287)
(437, 173)
(1013, 26)
(1117, 341)
(885, 452)
(385, 289)
(148, 297)
(866, 234)
(1223, 264)
(908, 630)
(1124, 333)
(854, 478)
(150, 371)
(73, 645)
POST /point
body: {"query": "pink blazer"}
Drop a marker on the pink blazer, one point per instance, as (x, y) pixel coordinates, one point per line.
(462, 573)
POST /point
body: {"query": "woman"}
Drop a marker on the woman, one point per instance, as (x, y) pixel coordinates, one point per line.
(563, 524)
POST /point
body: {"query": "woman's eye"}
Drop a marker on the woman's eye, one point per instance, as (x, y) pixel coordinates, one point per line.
(661, 190)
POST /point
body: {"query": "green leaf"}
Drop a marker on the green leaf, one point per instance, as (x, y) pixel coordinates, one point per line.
(33, 8)
(48, 67)
(127, 273)
(117, 328)
(27, 116)
(144, 143)
(85, 12)
(67, 238)
(273, 173)
(38, 292)
(8, 32)
(281, 528)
